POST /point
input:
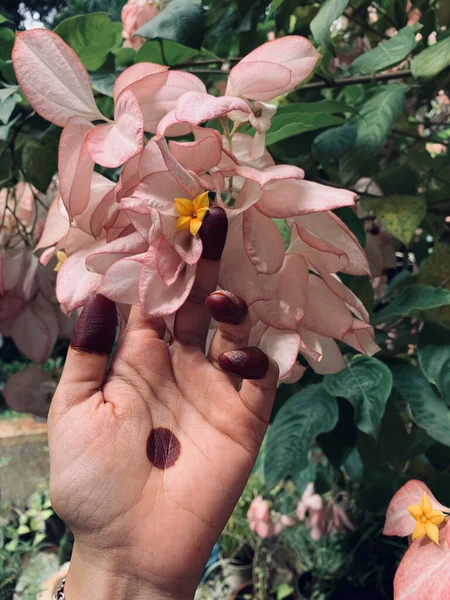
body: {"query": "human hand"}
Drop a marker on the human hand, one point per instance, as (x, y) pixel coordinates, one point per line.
(149, 458)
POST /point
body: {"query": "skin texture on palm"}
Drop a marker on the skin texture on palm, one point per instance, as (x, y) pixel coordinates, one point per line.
(136, 525)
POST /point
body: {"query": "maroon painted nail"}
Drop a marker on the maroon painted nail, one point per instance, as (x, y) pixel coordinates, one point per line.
(248, 363)
(213, 233)
(225, 307)
(95, 330)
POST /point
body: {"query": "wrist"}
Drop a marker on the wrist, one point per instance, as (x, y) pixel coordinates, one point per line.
(100, 575)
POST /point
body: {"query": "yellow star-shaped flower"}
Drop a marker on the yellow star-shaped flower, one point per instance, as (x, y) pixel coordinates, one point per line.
(192, 212)
(61, 256)
(427, 519)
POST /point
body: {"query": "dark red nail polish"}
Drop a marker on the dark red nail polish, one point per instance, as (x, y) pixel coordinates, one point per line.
(163, 448)
(95, 330)
(225, 307)
(213, 233)
(248, 363)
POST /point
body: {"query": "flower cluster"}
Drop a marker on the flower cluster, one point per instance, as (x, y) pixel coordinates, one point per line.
(265, 522)
(139, 241)
(323, 515)
(136, 13)
(424, 572)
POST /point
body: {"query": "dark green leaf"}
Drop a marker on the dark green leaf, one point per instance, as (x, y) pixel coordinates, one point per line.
(286, 125)
(285, 231)
(181, 21)
(273, 7)
(320, 25)
(329, 107)
(124, 57)
(433, 60)
(103, 82)
(428, 410)
(366, 383)
(350, 218)
(8, 100)
(91, 36)
(303, 477)
(374, 122)
(387, 54)
(397, 179)
(361, 286)
(400, 215)
(5, 163)
(40, 159)
(165, 52)
(434, 357)
(411, 301)
(354, 465)
(298, 422)
(331, 144)
(338, 443)
(6, 43)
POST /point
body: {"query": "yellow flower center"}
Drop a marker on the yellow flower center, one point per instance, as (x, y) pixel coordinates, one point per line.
(192, 212)
(62, 257)
(427, 519)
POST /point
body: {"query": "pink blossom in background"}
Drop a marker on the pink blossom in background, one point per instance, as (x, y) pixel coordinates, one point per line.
(323, 515)
(136, 13)
(264, 522)
(132, 240)
(424, 572)
(30, 391)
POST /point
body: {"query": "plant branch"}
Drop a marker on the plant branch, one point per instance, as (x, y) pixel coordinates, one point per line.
(421, 138)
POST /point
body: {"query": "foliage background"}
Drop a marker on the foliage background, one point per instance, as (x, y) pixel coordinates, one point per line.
(375, 109)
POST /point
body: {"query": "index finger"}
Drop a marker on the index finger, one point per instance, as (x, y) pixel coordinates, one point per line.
(192, 319)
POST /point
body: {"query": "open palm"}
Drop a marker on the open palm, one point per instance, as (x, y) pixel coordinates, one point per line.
(147, 467)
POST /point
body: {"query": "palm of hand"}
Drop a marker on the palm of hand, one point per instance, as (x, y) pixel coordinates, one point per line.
(103, 483)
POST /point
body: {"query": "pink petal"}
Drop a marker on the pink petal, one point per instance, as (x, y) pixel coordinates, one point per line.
(56, 225)
(195, 108)
(398, 520)
(263, 242)
(189, 247)
(282, 346)
(100, 188)
(112, 145)
(242, 146)
(424, 572)
(105, 256)
(121, 281)
(284, 309)
(182, 176)
(352, 301)
(156, 298)
(282, 199)
(314, 228)
(168, 262)
(199, 156)
(52, 77)
(361, 337)
(75, 166)
(157, 95)
(135, 73)
(237, 273)
(253, 78)
(35, 330)
(321, 352)
(295, 374)
(74, 284)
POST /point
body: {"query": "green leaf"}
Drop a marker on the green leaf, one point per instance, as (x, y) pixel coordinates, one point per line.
(103, 82)
(303, 477)
(376, 118)
(273, 7)
(5, 163)
(428, 410)
(433, 60)
(298, 422)
(40, 159)
(400, 215)
(329, 107)
(8, 100)
(3, 19)
(165, 52)
(124, 57)
(181, 21)
(366, 383)
(320, 25)
(6, 43)
(285, 231)
(436, 271)
(91, 36)
(286, 125)
(284, 591)
(331, 144)
(434, 357)
(387, 54)
(411, 301)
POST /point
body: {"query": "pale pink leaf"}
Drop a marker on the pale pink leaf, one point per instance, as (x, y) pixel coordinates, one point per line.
(100, 188)
(263, 242)
(282, 346)
(105, 256)
(75, 166)
(135, 73)
(321, 352)
(199, 156)
(121, 281)
(112, 145)
(29, 391)
(52, 77)
(56, 225)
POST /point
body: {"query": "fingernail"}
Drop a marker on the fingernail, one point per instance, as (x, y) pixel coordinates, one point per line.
(225, 307)
(248, 363)
(95, 330)
(213, 233)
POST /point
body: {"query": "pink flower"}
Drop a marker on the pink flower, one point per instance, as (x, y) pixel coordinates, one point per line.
(264, 522)
(424, 572)
(134, 14)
